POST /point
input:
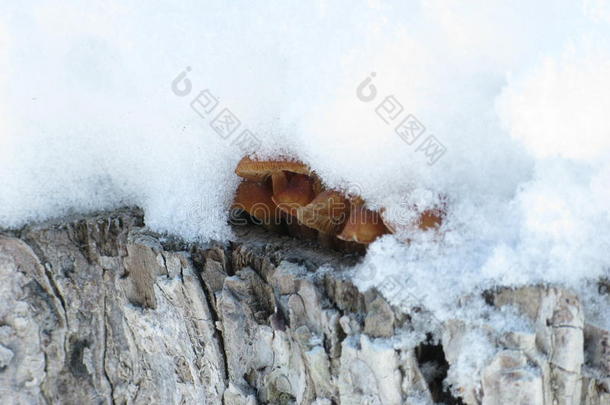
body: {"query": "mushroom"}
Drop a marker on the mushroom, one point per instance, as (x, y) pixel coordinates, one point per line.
(256, 199)
(363, 226)
(325, 213)
(297, 194)
(275, 190)
(428, 219)
(261, 170)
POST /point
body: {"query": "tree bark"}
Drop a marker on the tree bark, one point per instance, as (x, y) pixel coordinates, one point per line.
(99, 310)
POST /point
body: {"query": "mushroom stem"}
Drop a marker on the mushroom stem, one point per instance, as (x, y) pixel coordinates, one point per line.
(279, 181)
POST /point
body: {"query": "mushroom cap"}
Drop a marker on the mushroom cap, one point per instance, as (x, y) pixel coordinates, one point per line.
(363, 226)
(297, 194)
(427, 219)
(430, 219)
(318, 187)
(404, 231)
(326, 213)
(255, 199)
(259, 170)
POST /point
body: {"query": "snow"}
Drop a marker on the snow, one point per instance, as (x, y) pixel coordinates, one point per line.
(516, 92)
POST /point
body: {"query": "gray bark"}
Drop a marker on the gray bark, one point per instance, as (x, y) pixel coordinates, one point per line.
(99, 310)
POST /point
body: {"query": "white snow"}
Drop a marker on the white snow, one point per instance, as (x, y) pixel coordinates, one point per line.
(517, 92)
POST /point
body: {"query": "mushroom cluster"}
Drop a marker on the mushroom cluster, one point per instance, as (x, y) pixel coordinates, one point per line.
(287, 195)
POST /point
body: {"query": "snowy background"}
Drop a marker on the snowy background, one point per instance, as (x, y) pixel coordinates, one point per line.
(517, 92)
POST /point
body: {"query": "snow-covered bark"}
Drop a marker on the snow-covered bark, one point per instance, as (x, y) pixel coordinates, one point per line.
(100, 310)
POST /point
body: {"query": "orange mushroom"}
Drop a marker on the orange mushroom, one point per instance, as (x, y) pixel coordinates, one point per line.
(297, 194)
(256, 199)
(430, 219)
(261, 170)
(258, 170)
(288, 192)
(363, 226)
(427, 220)
(325, 213)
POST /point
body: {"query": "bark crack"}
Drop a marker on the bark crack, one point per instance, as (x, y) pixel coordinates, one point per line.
(215, 317)
(105, 351)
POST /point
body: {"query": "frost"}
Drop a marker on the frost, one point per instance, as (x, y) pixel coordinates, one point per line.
(469, 363)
